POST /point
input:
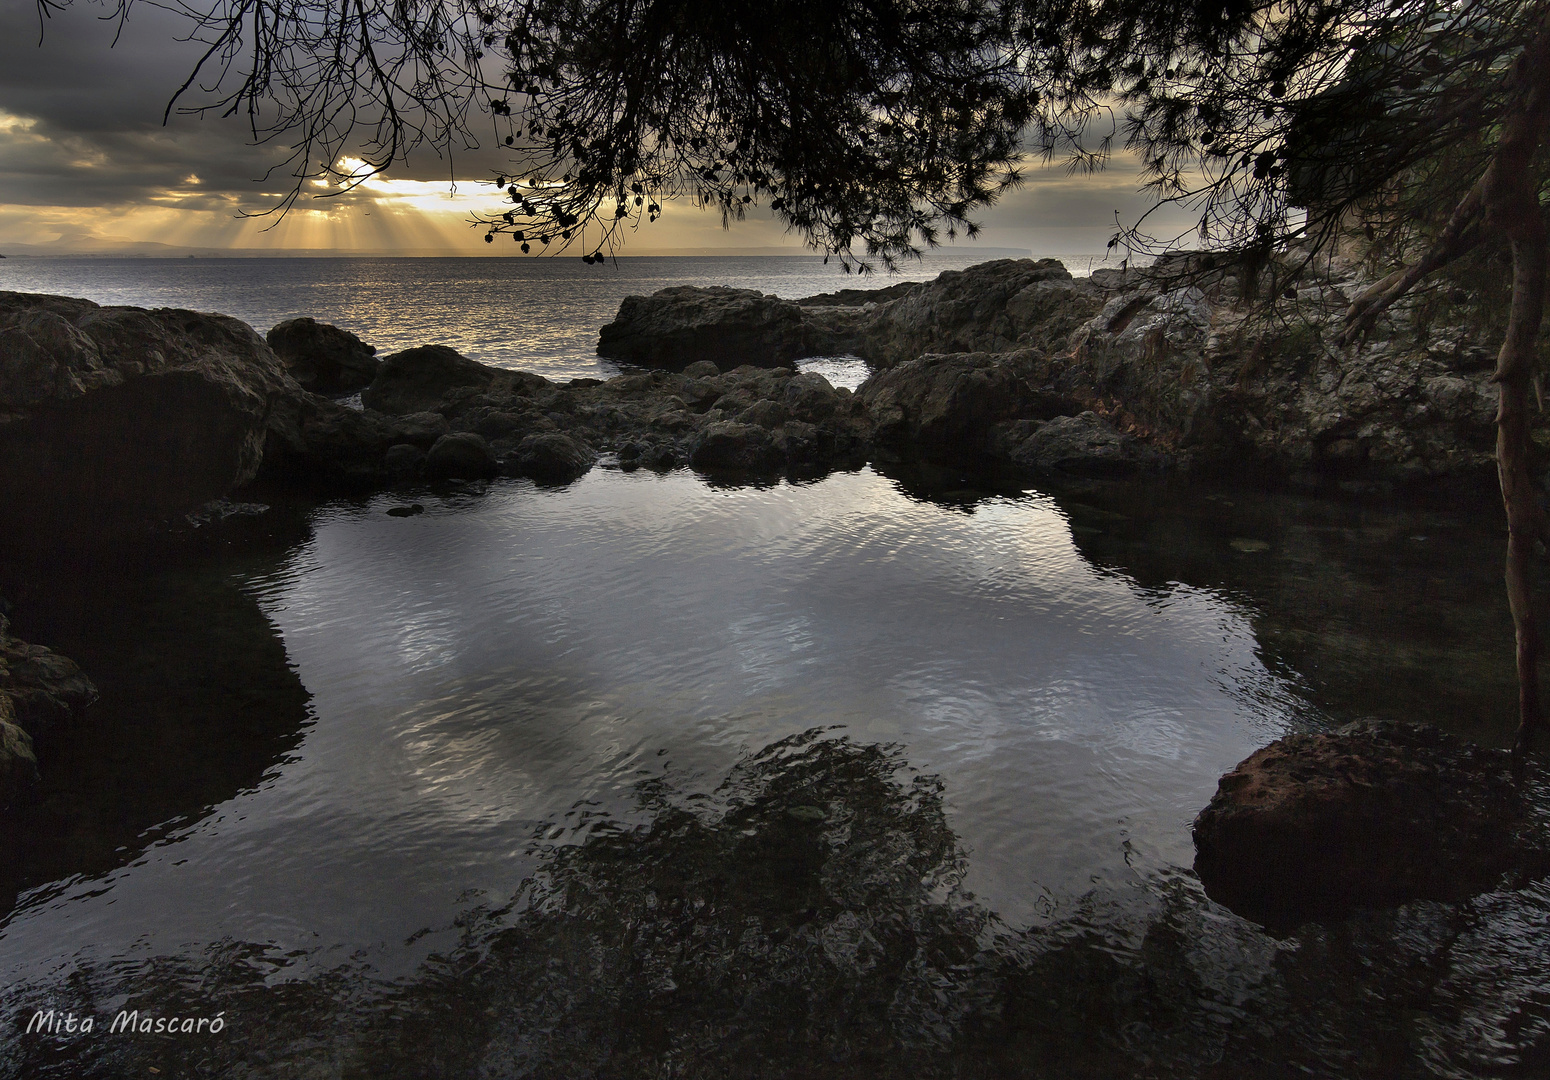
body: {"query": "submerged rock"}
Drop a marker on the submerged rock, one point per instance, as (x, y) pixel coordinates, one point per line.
(1374, 814)
(323, 358)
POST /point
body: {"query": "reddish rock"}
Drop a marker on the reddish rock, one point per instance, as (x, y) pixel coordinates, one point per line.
(1374, 814)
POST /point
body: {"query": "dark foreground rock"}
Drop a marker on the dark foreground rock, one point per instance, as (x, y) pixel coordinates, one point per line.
(1375, 814)
(41, 692)
(115, 416)
(323, 358)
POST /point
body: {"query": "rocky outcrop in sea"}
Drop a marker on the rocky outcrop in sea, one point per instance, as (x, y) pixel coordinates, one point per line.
(1166, 365)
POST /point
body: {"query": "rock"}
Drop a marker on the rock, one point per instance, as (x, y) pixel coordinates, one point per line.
(677, 327)
(317, 442)
(862, 297)
(1374, 814)
(552, 458)
(1084, 444)
(420, 379)
(323, 358)
(114, 417)
(702, 369)
(728, 446)
(412, 510)
(18, 762)
(764, 412)
(998, 306)
(404, 459)
(949, 404)
(461, 455)
(811, 398)
(422, 428)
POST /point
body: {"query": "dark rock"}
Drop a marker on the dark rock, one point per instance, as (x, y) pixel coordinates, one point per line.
(552, 458)
(111, 417)
(1085, 444)
(702, 369)
(764, 412)
(998, 306)
(421, 428)
(323, 358)
(728, 446)
(18, 761)
(404, 459)
(427, 378)
(677, 327)
(461, 455)
(862, 297)
(405, 511)
(43, 690)
(810, 397)
(1375, 814)
(949, 404)
(317, 442)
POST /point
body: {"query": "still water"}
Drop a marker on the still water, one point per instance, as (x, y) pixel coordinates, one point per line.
(888, 773)
(874, 775)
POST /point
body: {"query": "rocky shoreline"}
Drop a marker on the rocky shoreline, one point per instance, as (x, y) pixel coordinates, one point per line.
(115, 420)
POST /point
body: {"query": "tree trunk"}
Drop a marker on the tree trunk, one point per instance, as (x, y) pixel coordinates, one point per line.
(1514, 372)
(1511, 202)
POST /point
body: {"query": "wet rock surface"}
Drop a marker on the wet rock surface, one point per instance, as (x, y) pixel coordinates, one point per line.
(1372, 815)
(323, 358)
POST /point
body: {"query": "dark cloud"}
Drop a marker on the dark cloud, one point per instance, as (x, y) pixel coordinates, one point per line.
(81, 130)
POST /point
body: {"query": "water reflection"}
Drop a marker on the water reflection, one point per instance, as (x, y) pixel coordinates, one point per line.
(805, 916)
(905, 763)
(198, 705)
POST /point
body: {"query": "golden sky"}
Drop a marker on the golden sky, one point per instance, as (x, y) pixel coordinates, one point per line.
(86, 165)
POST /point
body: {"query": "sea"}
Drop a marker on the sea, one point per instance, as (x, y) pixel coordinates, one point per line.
(889, 773)
(539, 315)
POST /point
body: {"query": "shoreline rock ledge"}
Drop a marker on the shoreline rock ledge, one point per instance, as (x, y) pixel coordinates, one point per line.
(1374, 814)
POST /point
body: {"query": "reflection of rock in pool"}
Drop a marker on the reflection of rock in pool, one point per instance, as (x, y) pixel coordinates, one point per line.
(197, 704)
(806, 919)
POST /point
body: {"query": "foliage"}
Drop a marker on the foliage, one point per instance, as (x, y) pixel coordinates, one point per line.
(1291, 119)
(865, 125)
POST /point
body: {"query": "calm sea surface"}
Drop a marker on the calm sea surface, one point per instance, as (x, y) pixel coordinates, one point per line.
(539, 315)
(884, 774)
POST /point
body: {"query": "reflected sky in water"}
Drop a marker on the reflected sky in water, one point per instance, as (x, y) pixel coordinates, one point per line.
(512, 663)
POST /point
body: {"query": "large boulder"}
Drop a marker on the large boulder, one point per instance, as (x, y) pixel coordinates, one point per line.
(949, 404)
(41, 692)
(313, 441)
(999, 306)
(461, 455)
(323, 358)
(114, 416)
(552, 458)
(1085, 444)
(429, 377)
(676, 327)
(728, 446)
(1374, 814)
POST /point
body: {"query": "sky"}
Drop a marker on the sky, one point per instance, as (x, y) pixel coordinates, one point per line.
(87, 165)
